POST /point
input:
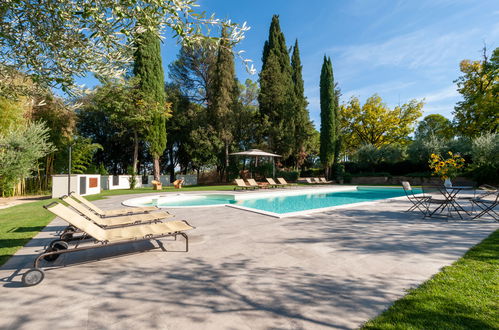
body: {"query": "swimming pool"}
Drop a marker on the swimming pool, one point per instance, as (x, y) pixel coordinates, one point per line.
(276, 203)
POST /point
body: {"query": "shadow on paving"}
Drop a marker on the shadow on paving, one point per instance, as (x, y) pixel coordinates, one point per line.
(235, 286)
(395, 232)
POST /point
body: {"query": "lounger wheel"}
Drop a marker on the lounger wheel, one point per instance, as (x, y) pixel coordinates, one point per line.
(54, 246)
(33, 277)
(67, 236)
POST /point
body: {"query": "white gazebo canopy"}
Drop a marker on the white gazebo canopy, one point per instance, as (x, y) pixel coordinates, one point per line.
(258, 153)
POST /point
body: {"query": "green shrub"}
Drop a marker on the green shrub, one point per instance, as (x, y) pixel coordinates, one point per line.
(288, 175)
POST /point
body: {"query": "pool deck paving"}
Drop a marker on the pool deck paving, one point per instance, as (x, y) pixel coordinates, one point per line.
(335, 269)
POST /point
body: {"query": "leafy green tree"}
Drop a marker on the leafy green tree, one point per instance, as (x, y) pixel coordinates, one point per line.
(374, 123)
(277, 97)
(192, 72)
(11, 114)
(20, 149)
(303, 126)
(54, 41)
(328, 97)
(479, 86)
(149, 72)
(434, 124)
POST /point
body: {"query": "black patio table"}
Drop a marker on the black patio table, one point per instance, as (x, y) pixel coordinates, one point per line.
(450, 194)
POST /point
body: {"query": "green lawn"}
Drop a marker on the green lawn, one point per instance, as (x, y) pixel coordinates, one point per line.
(20, 223)
(464, 295)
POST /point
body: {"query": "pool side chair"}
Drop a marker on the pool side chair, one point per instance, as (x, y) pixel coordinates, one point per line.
(112, 213)
(178, 183)
(318, 181)
(309, 181)
(434, 196)
(487, 207)
(116, 221)
(418, 202)
(156, 185)
(487, 190)
(273, 184)
(255, 184)
(240, 184)
(101, 237)
(323, 180)
(285, 183)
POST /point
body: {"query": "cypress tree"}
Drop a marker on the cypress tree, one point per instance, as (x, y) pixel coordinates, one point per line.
(329, 103)
(149, 70)
(303, 125)
(224, 87)
(276, 98)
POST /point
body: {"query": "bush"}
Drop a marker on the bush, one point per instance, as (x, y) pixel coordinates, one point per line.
(20, 150)
(372, 174)
(312, 172)
(288, 175)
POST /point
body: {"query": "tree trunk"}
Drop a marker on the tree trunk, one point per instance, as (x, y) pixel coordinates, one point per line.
(156, 170)
(171, 166)
(226, 162)
(135, 152)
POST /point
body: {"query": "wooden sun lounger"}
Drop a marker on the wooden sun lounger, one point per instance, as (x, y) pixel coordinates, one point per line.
(102, 237)
(240, 184)
(255, 184)
(111, 213)
(323, 180)
(285, 183)
(273, 184)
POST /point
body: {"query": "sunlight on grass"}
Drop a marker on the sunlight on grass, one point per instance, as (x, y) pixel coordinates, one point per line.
(461, 296)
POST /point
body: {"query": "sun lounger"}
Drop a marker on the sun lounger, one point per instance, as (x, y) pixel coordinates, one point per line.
(111, 213)
(106, 237)
(323, 180)
(309, 181)
(253, 183)
(284, 182)
(115, 221)
(240, 184)
(273, 184)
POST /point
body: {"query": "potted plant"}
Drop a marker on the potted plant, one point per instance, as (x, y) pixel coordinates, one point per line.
(447, 169)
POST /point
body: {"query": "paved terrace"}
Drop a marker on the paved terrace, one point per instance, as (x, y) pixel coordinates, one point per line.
(244, 270)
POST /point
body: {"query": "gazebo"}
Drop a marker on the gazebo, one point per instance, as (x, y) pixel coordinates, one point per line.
(258, 153)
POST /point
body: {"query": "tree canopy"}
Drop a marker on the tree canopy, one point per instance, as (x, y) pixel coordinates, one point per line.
(375, 123)
(55, 41)
(479, 85)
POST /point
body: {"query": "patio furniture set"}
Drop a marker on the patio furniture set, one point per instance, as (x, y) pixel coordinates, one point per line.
(438, 201)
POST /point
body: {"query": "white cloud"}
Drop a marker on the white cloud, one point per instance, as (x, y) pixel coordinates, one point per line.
(420, 49)
(380, 89)
(441, 95)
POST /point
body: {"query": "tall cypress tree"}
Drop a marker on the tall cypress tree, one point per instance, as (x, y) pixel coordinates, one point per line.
(223, 87)
(149, 70)
(329, 104)
(277, 98)
(303, 125)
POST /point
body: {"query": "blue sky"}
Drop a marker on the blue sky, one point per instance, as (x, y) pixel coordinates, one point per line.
(400, 50)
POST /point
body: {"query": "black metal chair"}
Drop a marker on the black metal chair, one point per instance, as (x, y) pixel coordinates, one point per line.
(487, 207)
(417, 201)
(433, 195)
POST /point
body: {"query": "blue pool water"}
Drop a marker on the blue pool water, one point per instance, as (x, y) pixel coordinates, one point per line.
(295, 203)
